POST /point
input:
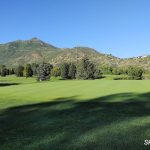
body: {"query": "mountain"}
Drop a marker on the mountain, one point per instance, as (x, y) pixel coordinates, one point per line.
(140, 61)
(35, 50)
(21, 52)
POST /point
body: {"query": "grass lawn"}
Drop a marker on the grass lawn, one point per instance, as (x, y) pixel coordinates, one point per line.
(74, 115)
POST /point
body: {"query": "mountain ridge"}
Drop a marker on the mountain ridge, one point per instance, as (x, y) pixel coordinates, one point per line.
(35, 50)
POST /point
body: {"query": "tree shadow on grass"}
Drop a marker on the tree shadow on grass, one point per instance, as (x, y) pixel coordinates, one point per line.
(7, 84)
(113, 122)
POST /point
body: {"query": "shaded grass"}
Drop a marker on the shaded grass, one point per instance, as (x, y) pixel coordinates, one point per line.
(8, 84)
(69, 124)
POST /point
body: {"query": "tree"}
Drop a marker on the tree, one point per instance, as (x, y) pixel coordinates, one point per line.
(123, 70)
(56, 72)
(72, 71)
(43, 72)
(19, 71)
(34, 67)
(116, 71)
(28, 71)
(64, 71)
(11, 71)
(97, 74)
(106, 69)
(135, 73)
(87, 70)
(3, 71)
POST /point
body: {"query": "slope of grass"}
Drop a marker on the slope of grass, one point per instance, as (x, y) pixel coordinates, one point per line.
(94, 115)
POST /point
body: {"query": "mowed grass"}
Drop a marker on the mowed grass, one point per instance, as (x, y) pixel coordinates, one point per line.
(74, 115)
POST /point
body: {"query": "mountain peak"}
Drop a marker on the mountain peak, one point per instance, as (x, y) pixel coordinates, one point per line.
(35, 39)
(39, 42)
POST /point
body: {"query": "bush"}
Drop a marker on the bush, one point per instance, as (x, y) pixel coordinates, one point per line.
(135, 73)
(97, 74)
(56, 72)
(106, 69)
(116, 71)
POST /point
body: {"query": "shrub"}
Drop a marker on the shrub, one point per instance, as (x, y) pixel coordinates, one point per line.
(56, 72)
(135, 73)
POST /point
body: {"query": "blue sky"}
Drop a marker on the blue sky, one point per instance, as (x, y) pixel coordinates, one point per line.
(119, 27)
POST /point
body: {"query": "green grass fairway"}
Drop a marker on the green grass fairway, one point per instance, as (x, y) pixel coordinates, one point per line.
(74, 115)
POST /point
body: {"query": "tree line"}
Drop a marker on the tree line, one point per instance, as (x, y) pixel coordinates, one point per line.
(132, 72)
(84, 69)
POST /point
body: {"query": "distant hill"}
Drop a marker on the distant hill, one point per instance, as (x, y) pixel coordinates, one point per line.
(21, 52)
(141, 61)
(35, 50)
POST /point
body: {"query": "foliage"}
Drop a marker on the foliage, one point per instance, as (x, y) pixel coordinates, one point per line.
(116, 71)
(44, 71)
(97, 74)
(11, 71)
(72, 71)
(106, 69)
(3, 71)
(34, 67)
(28, 72)
(19, 71)
(64, 71)
(135, 73)
(56, 72)
(87, 70)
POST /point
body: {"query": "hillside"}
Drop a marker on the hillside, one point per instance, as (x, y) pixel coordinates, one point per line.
(21, 52)
(141, 61)
(35, 50)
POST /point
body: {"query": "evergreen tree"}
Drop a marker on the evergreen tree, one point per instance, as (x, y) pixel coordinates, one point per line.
(3, 71)
(87, 70)
(64, 71)
(28, 71)
(19, 71)
(11, 71)
(7, 71)
(34, 67)
(43, 72)
(72, 71)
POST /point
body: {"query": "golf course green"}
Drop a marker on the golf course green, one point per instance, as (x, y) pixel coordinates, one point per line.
(74, 114)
